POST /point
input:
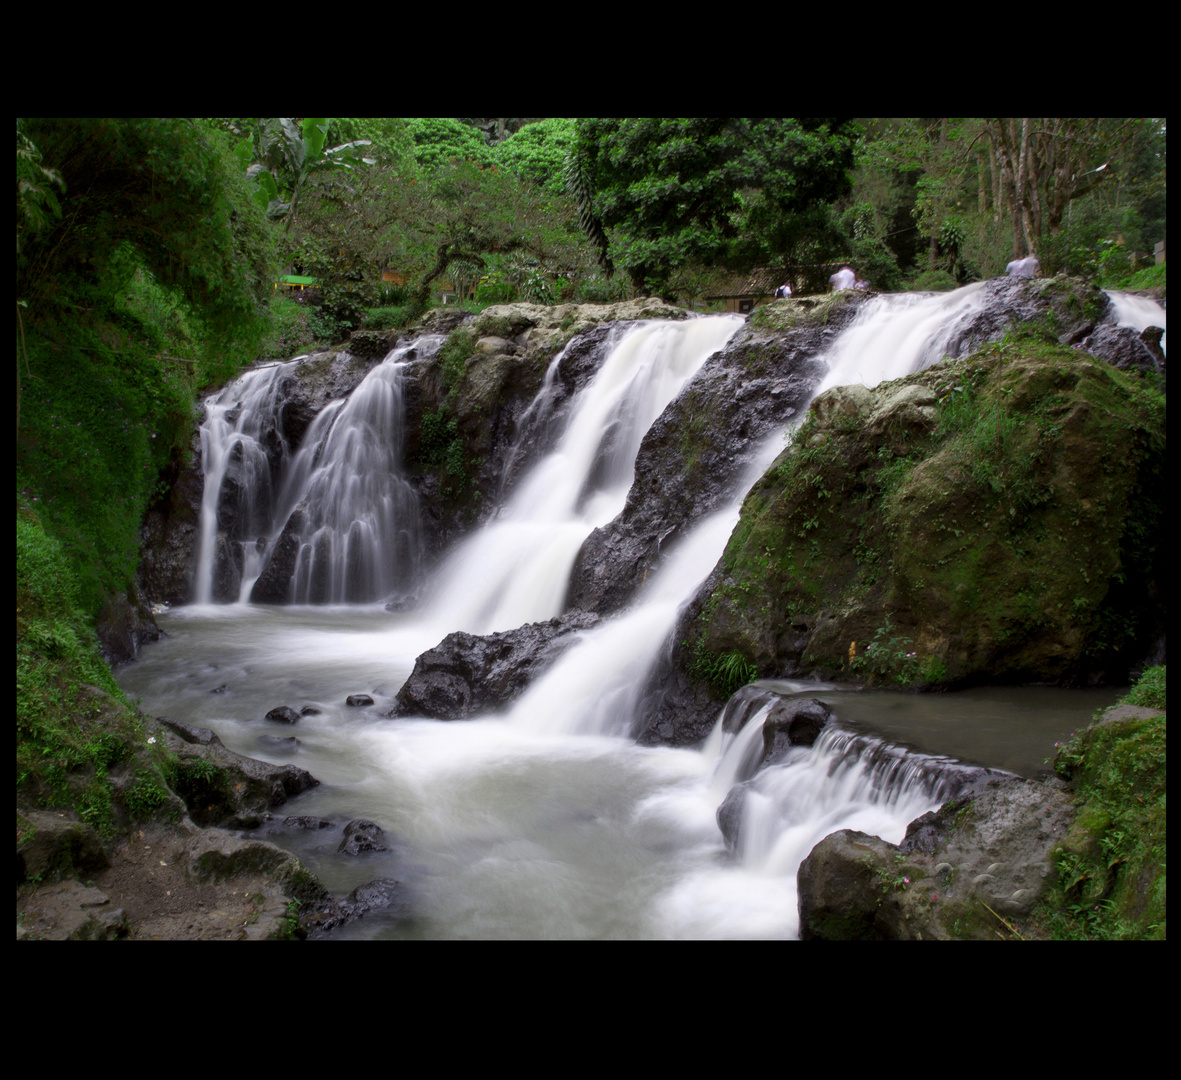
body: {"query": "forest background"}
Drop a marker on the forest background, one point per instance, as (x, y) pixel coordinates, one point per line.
(149, 253)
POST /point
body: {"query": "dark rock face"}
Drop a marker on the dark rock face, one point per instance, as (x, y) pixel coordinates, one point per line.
(168, 538)
(990, 847)
(274, 583)
(792, 723)
(224, 788)
(361, 836)
(283, 714)
(124, 623)
(1124, 348)
(692, 456)
(465, 674)
(358, 699)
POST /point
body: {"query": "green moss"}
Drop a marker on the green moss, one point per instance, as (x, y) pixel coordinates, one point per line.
(1016, 536)
(74, 725)
(1111, 867)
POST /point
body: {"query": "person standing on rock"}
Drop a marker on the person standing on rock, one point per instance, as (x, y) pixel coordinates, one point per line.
(1027, 267)
(842, 279)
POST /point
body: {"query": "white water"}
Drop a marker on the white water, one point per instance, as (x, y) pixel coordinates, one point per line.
(516, 569)
(360, 538)
(1138, 312)
(547, 821)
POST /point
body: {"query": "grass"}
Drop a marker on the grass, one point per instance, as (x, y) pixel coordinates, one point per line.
(1111, 867)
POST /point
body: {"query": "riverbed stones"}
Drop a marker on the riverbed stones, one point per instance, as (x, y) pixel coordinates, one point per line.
(355, 700)
(362, 836)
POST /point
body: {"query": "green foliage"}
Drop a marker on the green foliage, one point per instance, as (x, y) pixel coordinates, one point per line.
(1111, 866)
(1151, 277)
(159, 186)
(453, 357)
(73, 724)
(387, 318)
(440, 140)
(707, 189)
(933, 281)
(538, 152)
(890, 658)
(726, 673)
(1149, 691)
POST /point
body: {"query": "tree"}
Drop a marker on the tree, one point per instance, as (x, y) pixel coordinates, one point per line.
(706, 189)
(439, 140)
(538, 152)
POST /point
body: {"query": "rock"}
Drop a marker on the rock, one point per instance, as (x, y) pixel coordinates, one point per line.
(283, 715)
(307, 823)
(287, 744)
(791, 723)
(71, 912)
(358, 699)
(225, 788)
(361, 836)
(992, 846)
(1124, 348)
(958, 557)
(273, 585)
(51, 844)
(729, 815)
(465, 674)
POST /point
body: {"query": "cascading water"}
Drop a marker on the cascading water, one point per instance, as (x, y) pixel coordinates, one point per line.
(516, 569)
(344, 517)
(1138, 312)
(546, 821)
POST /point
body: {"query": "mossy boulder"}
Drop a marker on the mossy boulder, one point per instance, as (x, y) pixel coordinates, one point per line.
(988, 519)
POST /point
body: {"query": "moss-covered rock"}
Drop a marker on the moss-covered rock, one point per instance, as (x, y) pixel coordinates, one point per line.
(991, 518)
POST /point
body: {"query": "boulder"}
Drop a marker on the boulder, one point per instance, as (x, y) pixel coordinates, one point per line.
(983, 857)
(224, 788)
(466, 674)
(361, 836)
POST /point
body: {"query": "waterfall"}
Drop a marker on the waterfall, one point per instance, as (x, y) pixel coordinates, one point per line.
(1138, 312)
(515, 570)
(337, 522)
(547, 820)
(241, 451)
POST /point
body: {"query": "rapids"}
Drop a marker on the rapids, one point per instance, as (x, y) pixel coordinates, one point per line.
(545, 821)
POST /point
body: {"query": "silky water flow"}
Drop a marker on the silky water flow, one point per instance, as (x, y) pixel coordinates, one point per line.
(546, 821)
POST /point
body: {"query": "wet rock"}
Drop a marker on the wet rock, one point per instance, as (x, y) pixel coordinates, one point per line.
(308, 823)
(279, 743)
(223, 788)
(791, 723)
(309, 710)
(361, 836)
(358, 699)
(990, 847)
(466, 674)
(283, 715)
(729, 815)
(273, 585)
(1124, 348)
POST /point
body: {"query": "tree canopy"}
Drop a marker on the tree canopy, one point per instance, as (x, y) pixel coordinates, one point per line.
(705, 189)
